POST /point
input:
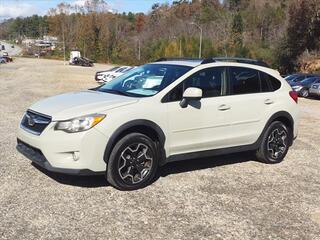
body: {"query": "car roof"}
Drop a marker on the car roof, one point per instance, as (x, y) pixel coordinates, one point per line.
(197, 63)
(193, 62)
(189, 63)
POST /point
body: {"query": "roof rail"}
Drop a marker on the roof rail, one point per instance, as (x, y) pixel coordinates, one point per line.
(178, 59)
(234, 59)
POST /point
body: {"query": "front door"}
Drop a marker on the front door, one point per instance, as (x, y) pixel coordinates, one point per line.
(202, 124)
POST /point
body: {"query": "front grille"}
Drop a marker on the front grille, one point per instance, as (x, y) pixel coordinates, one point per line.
(34, 122)
(30, 152)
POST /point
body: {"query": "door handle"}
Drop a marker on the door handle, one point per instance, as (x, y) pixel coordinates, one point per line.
(224, 107)
(268, 101)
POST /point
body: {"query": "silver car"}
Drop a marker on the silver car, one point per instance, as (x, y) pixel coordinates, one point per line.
(314, 90)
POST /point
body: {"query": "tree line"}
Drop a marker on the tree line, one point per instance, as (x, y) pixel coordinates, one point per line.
(276, 31)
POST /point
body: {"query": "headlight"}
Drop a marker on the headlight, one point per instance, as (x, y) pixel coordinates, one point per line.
(80, 124)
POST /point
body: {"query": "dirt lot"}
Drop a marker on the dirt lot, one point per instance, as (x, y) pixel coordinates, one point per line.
(226, 197)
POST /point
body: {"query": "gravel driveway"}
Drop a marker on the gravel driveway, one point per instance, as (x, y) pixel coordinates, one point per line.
(225, 197)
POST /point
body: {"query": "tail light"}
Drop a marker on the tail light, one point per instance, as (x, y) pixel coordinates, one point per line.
(294, 96)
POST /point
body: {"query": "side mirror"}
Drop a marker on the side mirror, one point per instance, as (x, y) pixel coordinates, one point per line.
(191, 93)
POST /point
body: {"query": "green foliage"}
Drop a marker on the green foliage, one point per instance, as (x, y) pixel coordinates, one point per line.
(237, 30)
(32, 27)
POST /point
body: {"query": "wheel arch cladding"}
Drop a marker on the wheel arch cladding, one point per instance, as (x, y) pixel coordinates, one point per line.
(142, 126)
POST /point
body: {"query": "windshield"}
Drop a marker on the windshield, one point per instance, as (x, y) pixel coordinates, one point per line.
(113, 69)
(308, 80)
(144, 81)
(290, 77)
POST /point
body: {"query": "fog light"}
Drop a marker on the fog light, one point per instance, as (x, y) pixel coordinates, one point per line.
(76, 156)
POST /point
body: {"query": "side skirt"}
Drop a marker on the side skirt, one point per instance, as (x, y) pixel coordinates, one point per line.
(210, 153)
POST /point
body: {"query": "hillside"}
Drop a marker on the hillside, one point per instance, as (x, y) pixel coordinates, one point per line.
(275, 31)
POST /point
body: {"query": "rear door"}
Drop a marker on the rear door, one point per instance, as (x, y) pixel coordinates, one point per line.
(248, 103)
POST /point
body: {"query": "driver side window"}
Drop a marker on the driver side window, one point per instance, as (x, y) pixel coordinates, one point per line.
(210, 80)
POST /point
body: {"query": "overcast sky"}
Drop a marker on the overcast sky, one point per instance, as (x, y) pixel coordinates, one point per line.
(23, 8)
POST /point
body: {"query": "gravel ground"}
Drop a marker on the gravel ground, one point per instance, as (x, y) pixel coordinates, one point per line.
(226, 197)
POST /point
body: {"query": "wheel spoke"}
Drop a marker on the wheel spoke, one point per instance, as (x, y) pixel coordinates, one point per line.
(135, 163)
(276, 144)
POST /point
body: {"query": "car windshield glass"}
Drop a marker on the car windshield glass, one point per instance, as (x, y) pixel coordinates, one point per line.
(308, 80)
(144, 81)
(112, 69)
(290, 77)
(298, 78)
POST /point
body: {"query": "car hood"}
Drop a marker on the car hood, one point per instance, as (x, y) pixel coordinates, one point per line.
(75, 104)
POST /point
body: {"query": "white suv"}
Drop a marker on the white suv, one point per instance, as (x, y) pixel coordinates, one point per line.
(160, 112)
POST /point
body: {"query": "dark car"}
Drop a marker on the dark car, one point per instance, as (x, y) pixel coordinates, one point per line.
(8, 59)
(302, 87)
(3, 60)
(298, 77)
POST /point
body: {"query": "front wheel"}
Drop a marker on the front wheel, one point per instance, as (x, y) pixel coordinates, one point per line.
(133, 162)
(275, 143)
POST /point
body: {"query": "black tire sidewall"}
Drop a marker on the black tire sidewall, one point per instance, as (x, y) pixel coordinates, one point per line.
(264, 144)
(112, 169)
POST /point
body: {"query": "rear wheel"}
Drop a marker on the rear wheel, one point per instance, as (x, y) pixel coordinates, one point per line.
(275, 143)
(133, 162)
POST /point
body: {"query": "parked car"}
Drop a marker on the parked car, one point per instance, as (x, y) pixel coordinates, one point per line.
(298, 77)
(7, 58)
(76, 59)
(3, 48)
(302, 88)
(191, 109)
(314, 90)
(112, 75)
(82, 61)
(99, 75)
(3, 60)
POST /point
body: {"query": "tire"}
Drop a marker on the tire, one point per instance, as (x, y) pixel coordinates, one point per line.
(133, 162)
(305, 93)
(275, 143)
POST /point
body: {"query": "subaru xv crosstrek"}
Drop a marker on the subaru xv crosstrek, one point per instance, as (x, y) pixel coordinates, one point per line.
(168, 110)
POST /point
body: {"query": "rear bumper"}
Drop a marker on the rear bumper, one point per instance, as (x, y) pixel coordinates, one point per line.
(36, 156)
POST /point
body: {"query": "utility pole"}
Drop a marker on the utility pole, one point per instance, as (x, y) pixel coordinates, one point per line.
(139, 50)
(200, 44)
(64, 46)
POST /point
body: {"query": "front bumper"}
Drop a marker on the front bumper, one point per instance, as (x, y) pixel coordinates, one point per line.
(36, 156)
(71, 153)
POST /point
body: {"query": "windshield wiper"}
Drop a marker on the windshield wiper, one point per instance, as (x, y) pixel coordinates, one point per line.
(114, 91)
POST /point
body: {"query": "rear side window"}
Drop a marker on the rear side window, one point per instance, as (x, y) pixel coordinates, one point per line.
(244, 80)
(269, 83)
